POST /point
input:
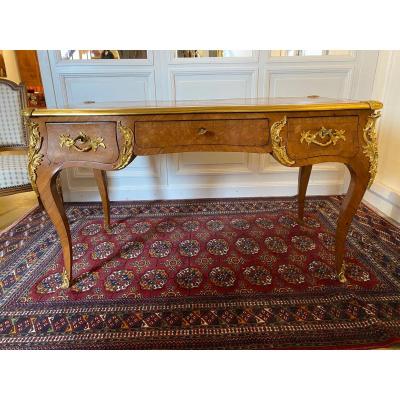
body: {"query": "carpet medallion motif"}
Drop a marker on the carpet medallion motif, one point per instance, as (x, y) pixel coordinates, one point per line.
(230, 273)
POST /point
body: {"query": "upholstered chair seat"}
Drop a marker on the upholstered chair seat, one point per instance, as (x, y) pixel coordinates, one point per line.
(11, 126)
(14, 176)
(13, 171)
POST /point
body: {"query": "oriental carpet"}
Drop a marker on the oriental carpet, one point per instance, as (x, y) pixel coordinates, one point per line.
(201, 274)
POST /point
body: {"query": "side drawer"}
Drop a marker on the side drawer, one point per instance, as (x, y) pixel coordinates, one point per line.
(322, 136)
(231, 132)
(90, 141)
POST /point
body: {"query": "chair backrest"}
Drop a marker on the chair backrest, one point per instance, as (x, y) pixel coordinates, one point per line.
(12, 101)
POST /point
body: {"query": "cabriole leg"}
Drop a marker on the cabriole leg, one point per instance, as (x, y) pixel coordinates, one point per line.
(52, 203)
(101, 179)
(304, 177)
(355, 193)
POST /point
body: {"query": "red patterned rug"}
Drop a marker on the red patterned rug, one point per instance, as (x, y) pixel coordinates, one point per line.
(230, 273)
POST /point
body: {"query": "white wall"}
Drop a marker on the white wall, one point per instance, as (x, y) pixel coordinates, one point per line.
(164, 77)
(385, 192)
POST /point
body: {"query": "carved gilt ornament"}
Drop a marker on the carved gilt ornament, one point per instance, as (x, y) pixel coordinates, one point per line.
(82, 142)
(127, 147)
(278, 148)
(370, 149)
(328, 137)
(34, 157)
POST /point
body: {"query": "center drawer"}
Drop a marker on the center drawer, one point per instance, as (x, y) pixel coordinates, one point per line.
(232, 132)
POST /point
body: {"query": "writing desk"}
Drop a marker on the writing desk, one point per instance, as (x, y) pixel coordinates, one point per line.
(298, 132)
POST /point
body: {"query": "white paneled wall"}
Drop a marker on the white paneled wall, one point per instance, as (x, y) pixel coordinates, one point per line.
(385, 191)
(164, 77)
(203, 84)
(101, 87)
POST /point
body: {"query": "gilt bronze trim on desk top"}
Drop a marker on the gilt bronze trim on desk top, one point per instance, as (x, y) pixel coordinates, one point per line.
(277, 104)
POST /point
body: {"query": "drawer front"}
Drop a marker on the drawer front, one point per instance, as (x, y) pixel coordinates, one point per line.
(231, 132)
(322, 136)
(95, 142)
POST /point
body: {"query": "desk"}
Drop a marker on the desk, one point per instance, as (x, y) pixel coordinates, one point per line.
(298, 132)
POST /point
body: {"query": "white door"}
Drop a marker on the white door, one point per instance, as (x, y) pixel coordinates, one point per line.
(168, 75)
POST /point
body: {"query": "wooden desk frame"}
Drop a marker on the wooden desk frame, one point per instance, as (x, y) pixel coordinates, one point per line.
(297, 134)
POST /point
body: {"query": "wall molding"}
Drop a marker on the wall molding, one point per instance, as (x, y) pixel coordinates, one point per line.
(225, 75)
(306, 72)
(144, 77)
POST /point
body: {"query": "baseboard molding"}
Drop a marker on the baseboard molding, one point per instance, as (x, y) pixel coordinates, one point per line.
(186, 191)
(385, 200)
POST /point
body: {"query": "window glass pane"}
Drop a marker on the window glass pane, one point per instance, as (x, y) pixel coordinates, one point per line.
(289, 53)
(213, 53)
(102, 54)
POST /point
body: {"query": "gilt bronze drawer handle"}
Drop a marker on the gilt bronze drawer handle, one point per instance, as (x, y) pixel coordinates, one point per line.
(330, 136)
(82, 142)
(202, 131)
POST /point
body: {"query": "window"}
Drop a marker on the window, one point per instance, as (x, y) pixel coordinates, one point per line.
(213, 53)
(314, 53)
(103, 54)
